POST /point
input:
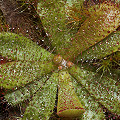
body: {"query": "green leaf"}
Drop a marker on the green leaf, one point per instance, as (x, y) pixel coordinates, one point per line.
(42, 104)
(19, 48)
(53, 17)
(68, 103)
(93, 110)
(24, 93)
(98, 26)
(105, 47)
(102, 89)
(30, 61)
(16, 74)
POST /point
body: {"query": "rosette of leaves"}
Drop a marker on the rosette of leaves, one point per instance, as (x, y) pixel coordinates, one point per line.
(32, 73)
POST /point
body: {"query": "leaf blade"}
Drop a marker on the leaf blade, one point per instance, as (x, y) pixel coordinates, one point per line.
(68, 105)
(103, 89)
(92, 108)
(16, 74)
(24, 93)
(43, 102)
(94, 29)
(103, 48)
(16, 47)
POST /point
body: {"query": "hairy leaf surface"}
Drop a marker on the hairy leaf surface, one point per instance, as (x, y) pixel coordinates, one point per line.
(93, 110)
(106, 47)
(102, 89)
(43, 102)
(24, 93)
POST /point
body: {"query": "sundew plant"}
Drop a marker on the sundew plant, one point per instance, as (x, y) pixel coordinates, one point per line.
(73, 73)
